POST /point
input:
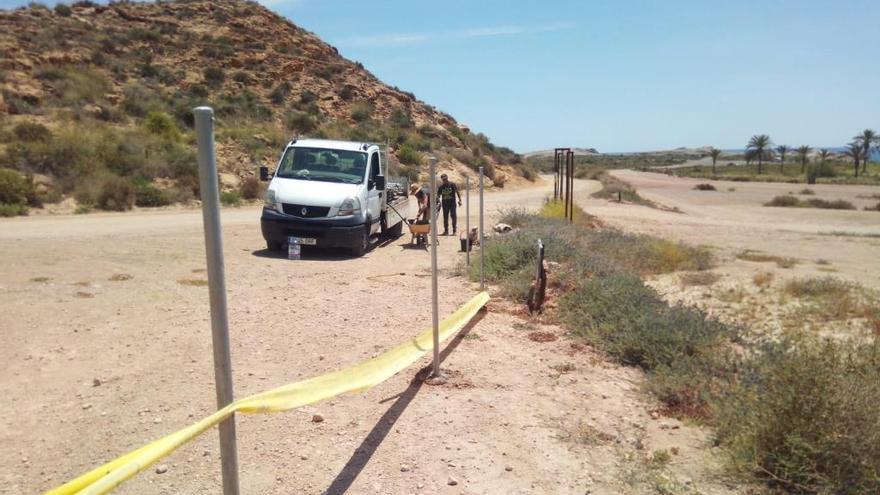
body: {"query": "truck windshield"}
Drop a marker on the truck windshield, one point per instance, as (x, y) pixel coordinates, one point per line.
(323, 165)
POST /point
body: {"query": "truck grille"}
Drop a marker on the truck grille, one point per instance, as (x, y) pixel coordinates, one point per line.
(303, 211)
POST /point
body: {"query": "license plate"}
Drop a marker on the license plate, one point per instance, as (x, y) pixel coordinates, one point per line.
(303, 241)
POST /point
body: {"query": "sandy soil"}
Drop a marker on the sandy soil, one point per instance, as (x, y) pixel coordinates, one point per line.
(107, 346)
(732, 221)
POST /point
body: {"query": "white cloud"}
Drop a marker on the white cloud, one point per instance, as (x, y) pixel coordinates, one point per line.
(399, 39)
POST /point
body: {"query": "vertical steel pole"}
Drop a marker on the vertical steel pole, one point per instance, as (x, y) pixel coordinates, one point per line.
(204, 120)
(467, 220)
(482, 237)
(435, 319)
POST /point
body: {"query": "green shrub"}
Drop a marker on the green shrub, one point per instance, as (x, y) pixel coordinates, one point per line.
(242, 77)
(361, 111)
(115, 194)
(32, 131)
(279, 94)
(401, 119)
(300, 122)
(407, 155)
(804, 418)
(63, 10)
(251, 188)
(784, 201)
(705, 187)
(214, 76)
(14, 189)
(74, 85)
(837, 204)
(230, 198)
(147, 195)
(161, 124)
(12, 210)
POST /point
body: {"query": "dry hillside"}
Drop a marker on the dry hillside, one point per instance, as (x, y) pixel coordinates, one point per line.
(96, 101)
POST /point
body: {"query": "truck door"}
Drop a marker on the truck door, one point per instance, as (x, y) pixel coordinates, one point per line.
(374, 195)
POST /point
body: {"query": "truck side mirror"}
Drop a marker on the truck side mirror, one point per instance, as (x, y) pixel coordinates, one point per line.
(380, 182)
(264, 174)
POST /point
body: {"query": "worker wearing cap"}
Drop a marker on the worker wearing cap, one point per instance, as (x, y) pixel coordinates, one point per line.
(447, 192)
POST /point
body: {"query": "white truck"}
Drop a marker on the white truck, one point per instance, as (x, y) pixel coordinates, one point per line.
(331, 194)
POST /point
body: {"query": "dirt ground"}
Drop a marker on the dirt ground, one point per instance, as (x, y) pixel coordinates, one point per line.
(733, 221)
(107, 346)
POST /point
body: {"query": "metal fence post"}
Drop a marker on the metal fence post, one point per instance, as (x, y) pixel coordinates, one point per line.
(482, 236)
(435, 319)
(204, 121)
(467, 220)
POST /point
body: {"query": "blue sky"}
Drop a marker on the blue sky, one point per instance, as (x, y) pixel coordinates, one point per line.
(621, 75)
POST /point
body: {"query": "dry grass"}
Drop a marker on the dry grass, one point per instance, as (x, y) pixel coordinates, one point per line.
(758, 257)
(587, 434)
(120, 277)
(763, 279)
(833, 299)
(732, 295)
(40, 280)
(793, 202)
(698, 279)
(193, 282)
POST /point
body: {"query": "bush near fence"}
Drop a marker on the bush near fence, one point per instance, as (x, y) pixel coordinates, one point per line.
(799, 414)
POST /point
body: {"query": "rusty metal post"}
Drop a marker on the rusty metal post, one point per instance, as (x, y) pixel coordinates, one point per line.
(555, 174)
(570, 160)
(566, 185)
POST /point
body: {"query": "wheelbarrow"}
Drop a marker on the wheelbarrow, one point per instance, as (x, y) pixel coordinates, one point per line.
(419, 231)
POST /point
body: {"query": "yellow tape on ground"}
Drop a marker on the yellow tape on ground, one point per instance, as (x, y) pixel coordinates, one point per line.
(355, 378)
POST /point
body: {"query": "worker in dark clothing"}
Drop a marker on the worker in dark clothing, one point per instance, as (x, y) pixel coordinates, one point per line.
(448, 192)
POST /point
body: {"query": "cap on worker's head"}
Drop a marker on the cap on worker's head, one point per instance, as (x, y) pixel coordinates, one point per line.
(413, 188)
(444, 176)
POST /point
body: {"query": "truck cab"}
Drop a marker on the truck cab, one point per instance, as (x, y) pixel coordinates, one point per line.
(330, 194)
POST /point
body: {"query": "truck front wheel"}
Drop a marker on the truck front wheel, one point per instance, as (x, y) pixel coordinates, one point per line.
(362, 243)
(273, 246)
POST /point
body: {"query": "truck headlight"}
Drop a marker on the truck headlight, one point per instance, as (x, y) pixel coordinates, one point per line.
(351, 206)
(270, 199)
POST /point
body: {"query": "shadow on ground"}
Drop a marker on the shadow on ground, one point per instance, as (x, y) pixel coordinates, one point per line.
(364, 452)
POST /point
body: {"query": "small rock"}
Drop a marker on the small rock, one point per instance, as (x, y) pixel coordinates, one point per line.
(404, 468)
(87, 406)
(452, 481)
(304, 457)
(508, 468)
(317, 418)
(161, 469)
(96, 382)
(655, 415)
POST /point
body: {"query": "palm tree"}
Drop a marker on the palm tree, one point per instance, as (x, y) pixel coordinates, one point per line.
(868, 139)
(760, 144)
(823, 155)
(782, 149)
(804, 156)
(714, 153)
(854, 151)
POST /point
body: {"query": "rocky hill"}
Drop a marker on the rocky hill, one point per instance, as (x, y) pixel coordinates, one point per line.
(97, 99)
